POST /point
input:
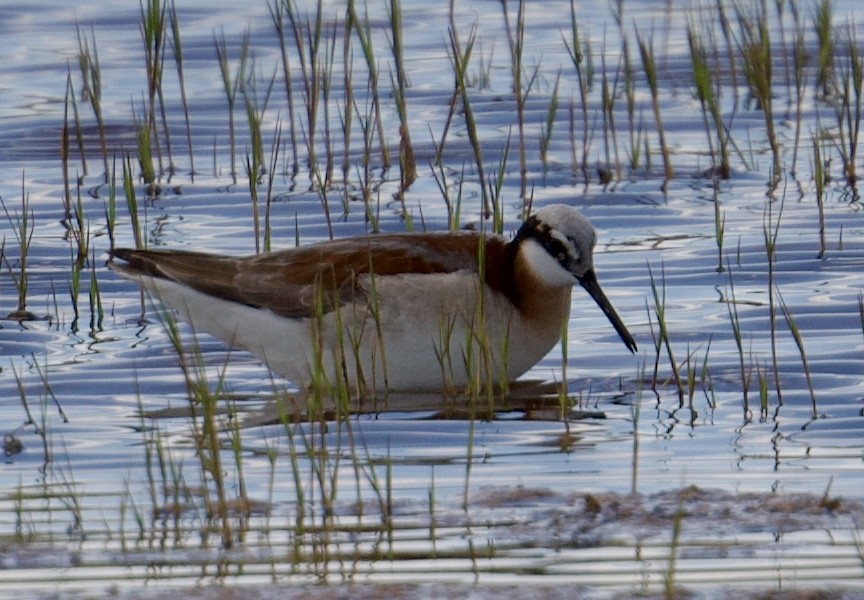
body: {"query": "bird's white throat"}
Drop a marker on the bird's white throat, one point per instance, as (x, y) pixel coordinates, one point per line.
(544, 266)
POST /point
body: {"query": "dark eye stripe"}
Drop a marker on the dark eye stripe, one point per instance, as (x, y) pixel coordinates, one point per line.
(542, 234)
(554, 247)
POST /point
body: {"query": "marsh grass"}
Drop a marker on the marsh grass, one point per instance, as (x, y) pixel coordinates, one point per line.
(256, 108)
(177, 53)
(735, 322)
(707, 93)
(74, 291)
(454, 205)
(91, 76)
(79, 248)
(275, 149)
(520, 87)
(661, 337)
(719, 230)
(580, 56)
(635, 416)
(210, 494)
(460, 56)
(770, 233)
(307, 36)
(399, 82)
(799, 343)
(861, 310)
(310, 46)
(691, 383)
(213, 416)
(850, 88)
(110, 209)
(800, 59)
(40, 427)
(671, 565)
(819, 181)
(327, 70)
(374, 122)
(65, 144)
(823, 24)
(549, 125)
(153, 29)
(625, 73)
(278, 10)
(649, 66)
(22, 225)
(754, 43)
(496, 190)
(254, 162)
(608, 95)
(55, 484)
(143, 138)
(706, 380)
(230, 85)
(764, 401)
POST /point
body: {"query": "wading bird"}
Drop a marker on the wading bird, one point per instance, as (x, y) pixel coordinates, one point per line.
(397, 312)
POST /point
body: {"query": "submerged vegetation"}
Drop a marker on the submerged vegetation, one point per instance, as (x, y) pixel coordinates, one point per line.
(325, 106)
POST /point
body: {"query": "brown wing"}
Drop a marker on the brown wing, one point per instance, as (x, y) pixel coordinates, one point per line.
(286, 281)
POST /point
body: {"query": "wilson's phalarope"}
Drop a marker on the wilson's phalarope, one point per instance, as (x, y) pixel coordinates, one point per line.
(403, 311)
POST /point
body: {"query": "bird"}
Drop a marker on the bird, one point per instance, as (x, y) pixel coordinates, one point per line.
(389, 312)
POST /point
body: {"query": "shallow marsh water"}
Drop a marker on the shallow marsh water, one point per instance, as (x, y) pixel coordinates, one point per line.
(767, 499)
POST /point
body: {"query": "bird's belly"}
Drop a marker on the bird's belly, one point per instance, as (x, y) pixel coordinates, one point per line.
(410, 334)
(430, 332)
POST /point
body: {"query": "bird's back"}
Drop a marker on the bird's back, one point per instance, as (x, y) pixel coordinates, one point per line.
(285, 282)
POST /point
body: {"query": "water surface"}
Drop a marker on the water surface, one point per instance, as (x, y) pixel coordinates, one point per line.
(769, 495)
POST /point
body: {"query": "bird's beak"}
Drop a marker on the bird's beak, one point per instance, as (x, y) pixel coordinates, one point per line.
(592, 286)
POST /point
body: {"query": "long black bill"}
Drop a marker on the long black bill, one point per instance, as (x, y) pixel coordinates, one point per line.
(592, 286)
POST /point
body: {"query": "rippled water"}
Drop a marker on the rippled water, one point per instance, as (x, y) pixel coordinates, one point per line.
(769, 497)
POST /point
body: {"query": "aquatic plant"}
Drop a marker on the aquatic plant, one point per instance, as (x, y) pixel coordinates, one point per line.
(580, 56)
(800, 59)
(177, 53)
(91, 76)
(755, 46)
(661, 338)
(649, 65)
(277, 10)
(710, 103)
(22, 226)
(823, 24)
(407, 161)
(608, 95)
(820, 178)
(460, 58)
(230, 85)
(848, 111)
(719, 230)
(796, 335)
(374, 122)
(153, 28)
(670, 574)
(770, 233)
(735, 322)
(66, 143)
(548, 126)
(521, 89)
(143, 138)
(206, 431)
